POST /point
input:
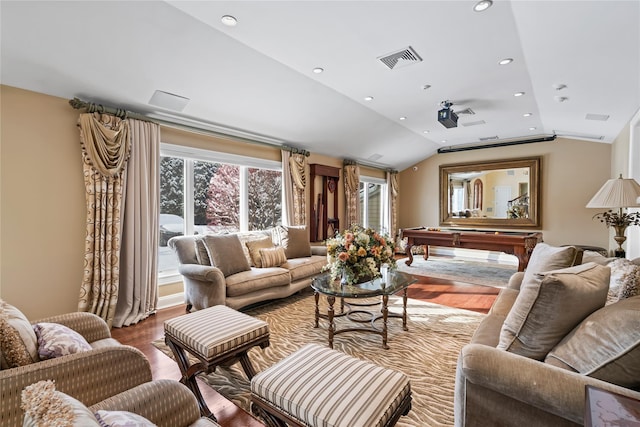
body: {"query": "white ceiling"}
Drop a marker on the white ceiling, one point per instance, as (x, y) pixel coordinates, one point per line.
(256, 79)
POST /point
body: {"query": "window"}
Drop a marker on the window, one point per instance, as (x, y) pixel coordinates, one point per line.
(205, 192)
(374, 204)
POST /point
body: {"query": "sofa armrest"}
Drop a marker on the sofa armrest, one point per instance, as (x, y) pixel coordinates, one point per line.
(166, 403)
(515, 280)
(89, 325)
(548, 388)
(89, 376)
(202, 273)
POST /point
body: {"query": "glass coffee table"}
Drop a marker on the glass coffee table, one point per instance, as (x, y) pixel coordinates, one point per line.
(393, 282)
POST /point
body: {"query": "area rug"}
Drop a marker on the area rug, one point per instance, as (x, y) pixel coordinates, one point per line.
(473, 272)
(427, 352)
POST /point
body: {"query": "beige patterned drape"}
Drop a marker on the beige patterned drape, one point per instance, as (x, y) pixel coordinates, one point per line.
(105, 152)
(294, 173)
(352, 193)
(393, 189)
(138, 290)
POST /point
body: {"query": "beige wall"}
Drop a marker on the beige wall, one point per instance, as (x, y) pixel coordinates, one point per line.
(571, 173)
(42, 203)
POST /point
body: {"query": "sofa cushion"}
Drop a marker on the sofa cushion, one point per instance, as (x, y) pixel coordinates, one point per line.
(254, 247)
(225, 252)
(201, 251)
(549, 307)
(272, 257)
(18, 342)
(606, 345)
(622, 284)
(294, 240)
(256, 279)
(55, 340)
(547, 258)
(302, 268)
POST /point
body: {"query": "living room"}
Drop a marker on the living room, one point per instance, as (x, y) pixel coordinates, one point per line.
(43, 194)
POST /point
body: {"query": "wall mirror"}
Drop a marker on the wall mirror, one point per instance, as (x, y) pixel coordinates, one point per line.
(501, 193)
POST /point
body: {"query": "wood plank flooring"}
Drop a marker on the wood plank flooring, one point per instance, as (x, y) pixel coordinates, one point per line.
(444, 292)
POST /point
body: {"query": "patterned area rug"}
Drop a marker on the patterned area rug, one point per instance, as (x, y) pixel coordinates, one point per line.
(427, 353)
(477, 273)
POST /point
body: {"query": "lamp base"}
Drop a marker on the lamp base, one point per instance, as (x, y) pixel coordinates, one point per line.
(619, 253)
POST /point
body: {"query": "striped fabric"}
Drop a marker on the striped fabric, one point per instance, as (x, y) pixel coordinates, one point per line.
(272, 257)
(322, 387)
(215, 330)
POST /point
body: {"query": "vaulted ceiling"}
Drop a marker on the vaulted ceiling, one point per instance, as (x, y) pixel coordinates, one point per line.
(576, 62)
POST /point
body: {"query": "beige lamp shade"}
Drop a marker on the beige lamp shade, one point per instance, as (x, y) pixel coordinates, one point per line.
(617, 193)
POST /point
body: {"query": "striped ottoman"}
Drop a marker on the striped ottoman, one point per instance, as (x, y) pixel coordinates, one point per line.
(317, 386)
(215, 336)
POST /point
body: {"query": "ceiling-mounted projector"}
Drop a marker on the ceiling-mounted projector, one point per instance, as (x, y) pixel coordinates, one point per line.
(446, 116)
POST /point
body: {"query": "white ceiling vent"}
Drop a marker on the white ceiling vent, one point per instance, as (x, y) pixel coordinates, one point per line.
(476, 123)
(600, 117)
(401, 58)
(489, 138)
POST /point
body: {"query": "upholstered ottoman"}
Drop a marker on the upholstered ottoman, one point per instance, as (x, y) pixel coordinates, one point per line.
(317, 386)
(215, 336)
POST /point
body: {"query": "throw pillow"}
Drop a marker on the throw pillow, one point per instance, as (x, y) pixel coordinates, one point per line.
(549, 307)
(55, 340)
(295, 241)
(44, 406)
(620, 268)
(122, 419)
(201, 251)
(547, 258)
(273, 257)
(254, 248)
(15, 328)
(629, 283)
(606, 345)
(225, 252)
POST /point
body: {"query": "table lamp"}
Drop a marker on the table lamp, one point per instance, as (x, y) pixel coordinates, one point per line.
(618, 193)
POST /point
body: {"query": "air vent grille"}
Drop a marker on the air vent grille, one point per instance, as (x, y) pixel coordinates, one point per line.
(476, 123)
(600, 117)
(570, 134)
(401, 58)
(465, 111)
(489, 138)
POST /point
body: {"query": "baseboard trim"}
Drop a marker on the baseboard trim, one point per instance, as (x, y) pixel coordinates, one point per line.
(170, 300)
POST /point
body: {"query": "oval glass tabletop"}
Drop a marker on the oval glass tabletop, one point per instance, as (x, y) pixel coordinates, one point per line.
(393, 282)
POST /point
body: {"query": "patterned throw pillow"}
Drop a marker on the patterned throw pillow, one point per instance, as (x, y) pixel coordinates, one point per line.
(55, 340)
(629, 283)
(18, 342)
(44, 406)
(273, 257)
(621, 269)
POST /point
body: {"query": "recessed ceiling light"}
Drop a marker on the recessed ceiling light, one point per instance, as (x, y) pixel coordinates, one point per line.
(532, 128)
(403, 118)
(506, 61)
(318, 70)
(443, 141)
(482, 5)
(518, 94)
(229, 21)
(527, 115)
(368, 98)
(426, 131)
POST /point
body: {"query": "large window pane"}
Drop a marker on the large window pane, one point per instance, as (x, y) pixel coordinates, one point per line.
(374, 214)
(265, 198)
(171, 209)
(222, 200)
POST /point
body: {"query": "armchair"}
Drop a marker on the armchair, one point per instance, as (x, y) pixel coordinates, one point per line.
(89, 376)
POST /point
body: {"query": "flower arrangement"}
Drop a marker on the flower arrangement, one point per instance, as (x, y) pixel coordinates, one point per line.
(621, 219)
(356, 254)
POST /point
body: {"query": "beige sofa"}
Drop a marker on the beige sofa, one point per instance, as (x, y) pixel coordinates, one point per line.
(495, 386)
(229, 269)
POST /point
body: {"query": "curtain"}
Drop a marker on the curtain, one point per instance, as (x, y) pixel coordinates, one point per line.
(352, 194)
(105, 152)
(294, 173)
(393, 190)
(137, 293)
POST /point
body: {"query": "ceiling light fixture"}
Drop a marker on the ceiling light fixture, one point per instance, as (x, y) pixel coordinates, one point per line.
(482, 5)
(532, 128)
(518, 94)
(527, 115)
(318, 70)
(506, 61)
(368, 98)
(403, 118)
(229, 21)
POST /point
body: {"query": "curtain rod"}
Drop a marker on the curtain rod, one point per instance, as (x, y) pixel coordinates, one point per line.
(78, 104)
(454, 149)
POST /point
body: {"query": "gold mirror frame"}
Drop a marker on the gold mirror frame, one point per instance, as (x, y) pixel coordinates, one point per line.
(532, 219)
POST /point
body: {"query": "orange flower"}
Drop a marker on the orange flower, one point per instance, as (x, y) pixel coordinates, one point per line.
(362, 252)
(343, 256)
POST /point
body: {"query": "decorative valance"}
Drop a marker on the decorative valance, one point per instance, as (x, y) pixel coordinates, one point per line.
(105, 142)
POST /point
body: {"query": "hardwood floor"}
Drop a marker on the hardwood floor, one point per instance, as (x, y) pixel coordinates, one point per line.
(141, 335)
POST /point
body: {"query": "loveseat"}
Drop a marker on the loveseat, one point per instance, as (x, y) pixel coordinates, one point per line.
(240, 269)
(91, 375)
(531, 367)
